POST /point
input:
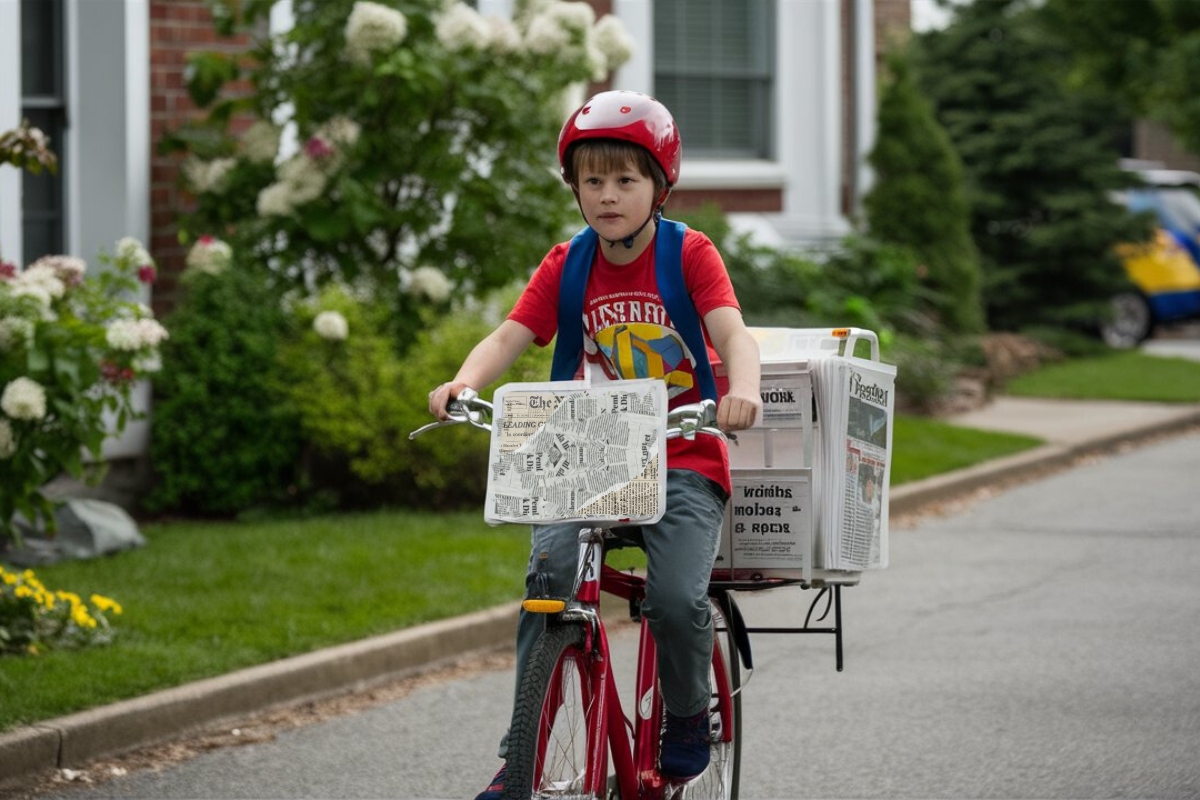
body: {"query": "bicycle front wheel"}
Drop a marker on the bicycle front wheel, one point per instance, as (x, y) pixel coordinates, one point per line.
(720, 780)
(548, 754)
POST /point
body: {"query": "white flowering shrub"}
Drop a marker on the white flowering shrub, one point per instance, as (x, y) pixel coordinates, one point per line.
(424, 140)
(72, 343)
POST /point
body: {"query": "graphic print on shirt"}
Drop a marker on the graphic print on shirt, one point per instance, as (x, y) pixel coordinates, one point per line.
(629, 337)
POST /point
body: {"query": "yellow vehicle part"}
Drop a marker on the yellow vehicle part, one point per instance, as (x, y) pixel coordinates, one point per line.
(1160, 265)
(543, 606)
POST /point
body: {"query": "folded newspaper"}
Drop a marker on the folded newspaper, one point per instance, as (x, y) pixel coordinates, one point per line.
(855, 403)
(566, 451)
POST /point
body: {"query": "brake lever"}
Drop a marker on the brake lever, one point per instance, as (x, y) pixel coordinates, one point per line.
(468, 408)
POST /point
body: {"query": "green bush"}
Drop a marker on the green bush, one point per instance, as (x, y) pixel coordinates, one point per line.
(925, 370)
(222, 440)
(861, 282)
(357, 401)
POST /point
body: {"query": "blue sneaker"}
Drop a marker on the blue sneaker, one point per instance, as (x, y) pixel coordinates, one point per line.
(685, 746)
(496, 788)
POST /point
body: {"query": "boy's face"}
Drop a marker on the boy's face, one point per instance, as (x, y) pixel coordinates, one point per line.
(615, 201)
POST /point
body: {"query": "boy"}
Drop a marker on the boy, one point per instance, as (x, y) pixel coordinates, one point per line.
(620, 154)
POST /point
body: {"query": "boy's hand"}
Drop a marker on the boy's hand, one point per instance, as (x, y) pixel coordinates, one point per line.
(441, 397)
(736, 413)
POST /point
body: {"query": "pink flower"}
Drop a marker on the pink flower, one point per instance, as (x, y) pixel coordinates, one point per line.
(317, 148)
(147, 273)
(8, 270)
(114, 373)
(207, 239)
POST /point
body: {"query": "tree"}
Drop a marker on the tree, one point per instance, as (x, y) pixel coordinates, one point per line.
(918, 200)
(1144, 52)
(1040, 166)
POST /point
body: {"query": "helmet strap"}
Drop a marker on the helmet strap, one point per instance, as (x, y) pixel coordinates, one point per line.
(655, 216)
(628, 241)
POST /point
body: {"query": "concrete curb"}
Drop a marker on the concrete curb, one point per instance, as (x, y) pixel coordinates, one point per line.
(74, 740)
(912, 496)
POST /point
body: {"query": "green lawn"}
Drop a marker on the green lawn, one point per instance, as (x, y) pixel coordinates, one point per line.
(206, 598)
(925, 447)
(1126, 375)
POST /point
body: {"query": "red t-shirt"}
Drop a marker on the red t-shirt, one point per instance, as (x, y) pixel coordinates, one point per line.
(627, 333)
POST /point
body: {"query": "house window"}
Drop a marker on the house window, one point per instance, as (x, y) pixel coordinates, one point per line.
(44, 104)
(714, 68)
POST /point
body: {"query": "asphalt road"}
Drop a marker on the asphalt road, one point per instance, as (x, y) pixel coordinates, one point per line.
(1039, 643)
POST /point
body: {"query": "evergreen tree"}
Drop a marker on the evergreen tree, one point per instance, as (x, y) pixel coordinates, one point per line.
(1145, 53)
(1040, 165)
(919, 201)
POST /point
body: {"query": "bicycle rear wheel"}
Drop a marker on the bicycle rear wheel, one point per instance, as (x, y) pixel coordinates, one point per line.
(548, 742)
(720, 780)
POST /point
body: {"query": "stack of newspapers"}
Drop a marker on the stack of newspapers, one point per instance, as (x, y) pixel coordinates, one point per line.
(810, 480)
(855, 400)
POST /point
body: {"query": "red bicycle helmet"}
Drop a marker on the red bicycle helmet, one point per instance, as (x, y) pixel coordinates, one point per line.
(629, 116)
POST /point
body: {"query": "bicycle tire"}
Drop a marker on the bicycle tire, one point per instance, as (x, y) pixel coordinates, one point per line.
(547, 745)
(720, 780)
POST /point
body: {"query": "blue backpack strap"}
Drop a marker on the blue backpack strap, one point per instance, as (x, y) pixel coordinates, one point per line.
(568, 342)
(668, 269)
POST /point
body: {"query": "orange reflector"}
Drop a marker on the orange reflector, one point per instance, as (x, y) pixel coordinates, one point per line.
(543, 606)
(841, 333)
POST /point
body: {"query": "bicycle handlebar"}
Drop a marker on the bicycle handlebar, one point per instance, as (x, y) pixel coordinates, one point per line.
(682, 422)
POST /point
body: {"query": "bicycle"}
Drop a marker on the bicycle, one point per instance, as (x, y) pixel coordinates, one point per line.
(568, 721)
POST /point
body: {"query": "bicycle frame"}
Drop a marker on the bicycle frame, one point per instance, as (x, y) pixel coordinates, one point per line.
(632, 742)
(579, 677)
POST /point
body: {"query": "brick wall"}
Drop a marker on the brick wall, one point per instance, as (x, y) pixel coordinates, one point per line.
(176, 27)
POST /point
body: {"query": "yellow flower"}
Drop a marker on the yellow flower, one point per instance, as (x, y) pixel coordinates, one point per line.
(81, 617)
(104, 604)
(70, 597)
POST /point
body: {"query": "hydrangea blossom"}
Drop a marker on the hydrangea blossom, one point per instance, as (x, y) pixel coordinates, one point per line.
(15, 333)
(24, 398)
(462, 28)
(573, 16)
(613, 40)
(275, 201)
(503, 35)
(430, 282)
(68, 269)
(340, 131)
(372, 28)
(260, 142)
(331, 325)
(209, 255)
(38, 292)
(135, 334)
(301, 180)
(545, 35)
(44, 277)
(208, 176)
(8, 442)
(131, 251)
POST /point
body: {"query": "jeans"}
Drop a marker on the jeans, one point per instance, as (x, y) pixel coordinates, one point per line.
(680, 551)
